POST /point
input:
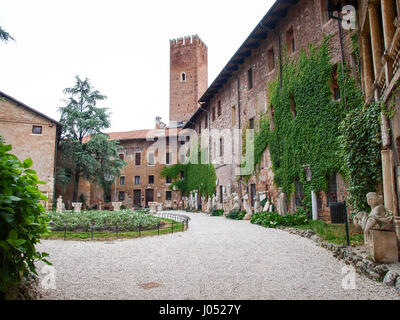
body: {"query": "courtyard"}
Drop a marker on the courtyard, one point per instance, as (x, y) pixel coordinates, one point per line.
(216, 259)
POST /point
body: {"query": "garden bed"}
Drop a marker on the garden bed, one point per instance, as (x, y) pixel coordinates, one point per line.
(106, 225)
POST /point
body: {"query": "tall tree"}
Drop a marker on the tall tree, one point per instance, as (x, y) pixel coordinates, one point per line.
(4, 35)
(87, 152)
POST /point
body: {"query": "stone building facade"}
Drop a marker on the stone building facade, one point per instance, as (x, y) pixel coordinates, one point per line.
(32, 135)
(239, 95)
(379, 34)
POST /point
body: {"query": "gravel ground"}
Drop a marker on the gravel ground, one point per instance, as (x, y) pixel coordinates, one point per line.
(216, 259)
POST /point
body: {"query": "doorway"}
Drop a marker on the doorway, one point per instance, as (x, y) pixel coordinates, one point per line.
(137, 201)
(149, 196)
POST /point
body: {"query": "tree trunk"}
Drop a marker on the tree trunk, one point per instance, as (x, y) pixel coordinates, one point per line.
(76, 186)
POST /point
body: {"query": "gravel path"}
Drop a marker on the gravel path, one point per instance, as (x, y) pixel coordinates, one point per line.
(216, 259)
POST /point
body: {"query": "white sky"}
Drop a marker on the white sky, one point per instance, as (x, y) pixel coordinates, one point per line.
(121, 46)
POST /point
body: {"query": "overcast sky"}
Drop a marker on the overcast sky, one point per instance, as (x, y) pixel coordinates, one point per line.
(121, 46)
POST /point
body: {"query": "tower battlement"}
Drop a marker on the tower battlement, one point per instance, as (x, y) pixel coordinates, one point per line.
(187, 41)
(188, 76)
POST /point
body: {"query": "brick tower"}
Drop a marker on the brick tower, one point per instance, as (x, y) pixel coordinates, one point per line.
(188, 76)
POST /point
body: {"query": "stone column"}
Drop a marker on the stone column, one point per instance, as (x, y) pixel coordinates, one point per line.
(314, 205)
(389, 191)
(388, 15)
(376, 36)
(368, 72)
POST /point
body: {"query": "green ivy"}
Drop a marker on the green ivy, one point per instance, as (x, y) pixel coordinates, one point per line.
(197, 176)
(361, 151)
(311, 135)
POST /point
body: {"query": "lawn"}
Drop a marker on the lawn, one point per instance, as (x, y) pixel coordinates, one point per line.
(334, 233)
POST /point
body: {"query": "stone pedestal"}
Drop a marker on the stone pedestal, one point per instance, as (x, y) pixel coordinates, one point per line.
(383, 246)
(117, 206)
(77, 206)
(160, 207)
(153, 207)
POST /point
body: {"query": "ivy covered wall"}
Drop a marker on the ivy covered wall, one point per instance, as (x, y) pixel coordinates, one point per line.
(307, 128)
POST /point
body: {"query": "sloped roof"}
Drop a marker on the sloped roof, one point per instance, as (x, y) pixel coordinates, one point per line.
(23, 105)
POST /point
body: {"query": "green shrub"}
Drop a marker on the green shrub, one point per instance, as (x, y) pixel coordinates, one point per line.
(22, 219)
(236, 215)
(274, 219)
(217, 212)
(103, 220)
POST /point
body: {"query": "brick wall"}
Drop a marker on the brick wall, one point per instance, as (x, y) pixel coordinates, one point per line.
(309, 27)
(188, 56)
(16, 125)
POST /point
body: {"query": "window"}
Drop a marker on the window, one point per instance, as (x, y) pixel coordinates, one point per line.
(219, 111)
(206, 122)
(334, 85)
(213, 113)
(37, 130)
(168, 180)
(234, 116)
(183, 77)
(250, 78)
(121, 156)
(221, 194)
(121, 181)
(151, 159)
(290, 45)
(137, 180)
(151, 179)
(251, 123)
(138, 159)
(271, 59)
(221, 147)
(168, 157)
(168, 195)
(121, 196)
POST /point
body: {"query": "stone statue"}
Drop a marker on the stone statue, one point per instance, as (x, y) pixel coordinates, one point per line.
(267, 205)
(153, 207)
(378, 226)
(282, 203)
(379, 218)
(247, 207)
(225, 203)
(236, 201)
(209, 205)
(60, 205)
(257, 205)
